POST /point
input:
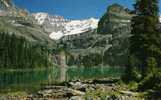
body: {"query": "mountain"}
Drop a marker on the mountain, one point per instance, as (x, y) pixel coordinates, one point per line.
(58, 26)
(117, 22)
(50, 23)
(5, 4)
(103, 42)
(23, 43)
(91, 42)
(106, 45)
(116, 16)
(24, 27)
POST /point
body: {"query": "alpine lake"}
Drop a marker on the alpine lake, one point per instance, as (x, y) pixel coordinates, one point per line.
(33, 79)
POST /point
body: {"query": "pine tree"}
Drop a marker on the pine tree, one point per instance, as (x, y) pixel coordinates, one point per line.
(18, 52)
(145, 39)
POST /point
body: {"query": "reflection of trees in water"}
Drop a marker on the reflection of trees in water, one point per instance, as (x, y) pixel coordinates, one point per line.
(63, 72)
(29, 79)
(63, 66)
(57, 74)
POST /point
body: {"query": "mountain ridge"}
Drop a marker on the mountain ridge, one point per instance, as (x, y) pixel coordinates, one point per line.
(57, 26)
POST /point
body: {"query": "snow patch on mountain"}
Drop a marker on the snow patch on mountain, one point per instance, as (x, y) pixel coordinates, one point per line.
(56, 35)
(40, 17)
(80, 26)
(58, 27)
(46, 18)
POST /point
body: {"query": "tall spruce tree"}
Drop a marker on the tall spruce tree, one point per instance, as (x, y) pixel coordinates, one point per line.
(144, 50)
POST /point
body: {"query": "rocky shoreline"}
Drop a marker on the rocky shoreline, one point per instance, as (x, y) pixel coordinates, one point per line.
(105, 89)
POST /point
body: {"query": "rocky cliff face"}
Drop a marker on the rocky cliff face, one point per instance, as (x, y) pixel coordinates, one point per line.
(115, 17)
(107, 46)
(117, 22)
(5, 4)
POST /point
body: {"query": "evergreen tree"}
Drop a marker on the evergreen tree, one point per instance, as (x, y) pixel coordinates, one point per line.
(145, 39)
(18, 52)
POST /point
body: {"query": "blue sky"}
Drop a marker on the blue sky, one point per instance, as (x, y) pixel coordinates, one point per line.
(73, 9)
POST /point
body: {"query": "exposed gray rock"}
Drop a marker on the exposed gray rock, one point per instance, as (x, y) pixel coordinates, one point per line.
(79, 86)
(129, 93)
(77, 98)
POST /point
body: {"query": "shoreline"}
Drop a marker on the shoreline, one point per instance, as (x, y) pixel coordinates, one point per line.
(101, 89)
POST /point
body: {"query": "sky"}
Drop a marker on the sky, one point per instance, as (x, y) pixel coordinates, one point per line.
(72, 9)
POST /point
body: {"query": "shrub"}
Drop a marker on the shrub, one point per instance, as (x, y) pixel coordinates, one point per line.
(152, 81)
(131, 74)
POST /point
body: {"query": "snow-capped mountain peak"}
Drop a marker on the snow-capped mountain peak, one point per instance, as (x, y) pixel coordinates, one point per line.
(40, 17)
(80, 26)
(58, 27)
(43, 18)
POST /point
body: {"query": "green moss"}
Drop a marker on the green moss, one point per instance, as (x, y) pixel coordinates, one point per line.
(96, 94)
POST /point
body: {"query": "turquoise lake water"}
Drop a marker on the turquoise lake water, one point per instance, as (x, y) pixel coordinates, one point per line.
(15, 80)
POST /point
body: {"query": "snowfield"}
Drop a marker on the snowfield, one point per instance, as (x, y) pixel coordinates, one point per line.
(70, 27)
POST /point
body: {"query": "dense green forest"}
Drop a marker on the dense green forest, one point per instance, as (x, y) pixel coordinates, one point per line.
(145, 50)
(17, 52)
